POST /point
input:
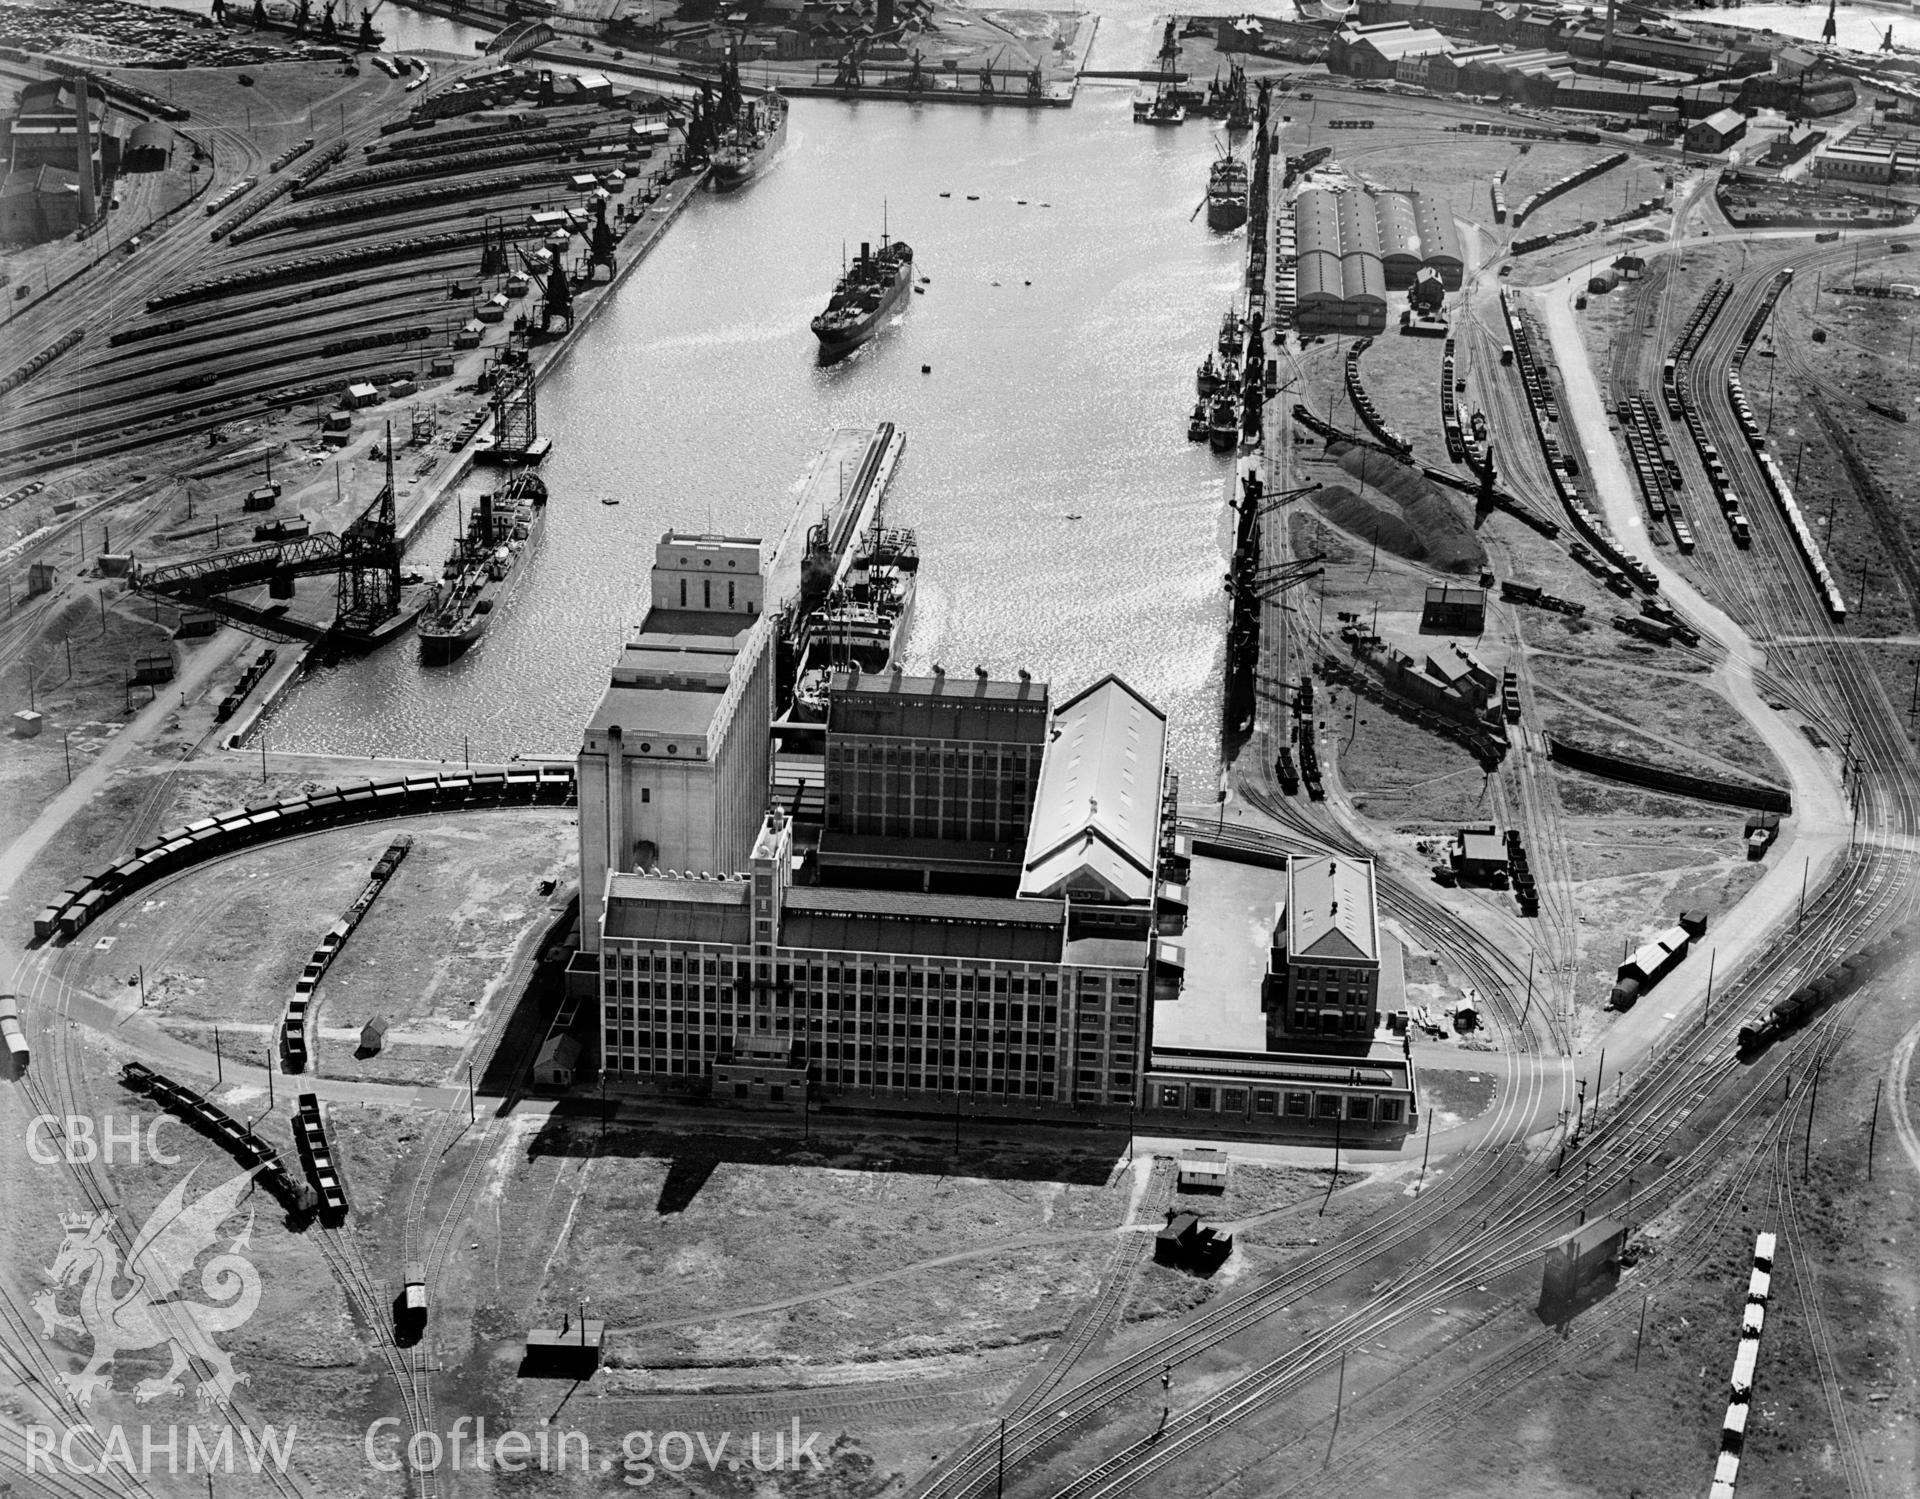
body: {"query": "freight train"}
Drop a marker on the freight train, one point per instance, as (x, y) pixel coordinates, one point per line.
(224, 1130)
(1770, 1024)
(1753, 1320)
(181, 848)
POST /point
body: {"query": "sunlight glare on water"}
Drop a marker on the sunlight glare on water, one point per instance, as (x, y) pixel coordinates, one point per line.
(1061, 333)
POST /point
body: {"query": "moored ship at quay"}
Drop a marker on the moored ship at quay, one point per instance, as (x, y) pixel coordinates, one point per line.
(753, 140)
(1227, 187)
(480, 570)
(863, 622)
(866, 295)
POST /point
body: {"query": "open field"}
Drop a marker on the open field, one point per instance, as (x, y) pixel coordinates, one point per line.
(193, 945)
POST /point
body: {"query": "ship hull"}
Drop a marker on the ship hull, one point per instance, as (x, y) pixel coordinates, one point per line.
(1226, 213)
(841, 338)
(441, 647)
(448, 634)
(733, 168)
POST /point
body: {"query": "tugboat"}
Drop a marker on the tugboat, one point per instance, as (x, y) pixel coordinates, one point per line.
(1210, 376)
(865, 295)
(1227, 185)
(1197, 423)
(1223, 425)
(1233, 335)
(480, 569)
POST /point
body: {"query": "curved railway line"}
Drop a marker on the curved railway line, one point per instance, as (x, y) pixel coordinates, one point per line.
(1871, 886)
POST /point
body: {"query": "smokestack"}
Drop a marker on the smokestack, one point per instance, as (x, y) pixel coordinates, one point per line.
(1606, 42)
(83, 151)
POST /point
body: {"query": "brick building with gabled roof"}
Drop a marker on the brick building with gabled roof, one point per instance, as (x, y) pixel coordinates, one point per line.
(1325, 975)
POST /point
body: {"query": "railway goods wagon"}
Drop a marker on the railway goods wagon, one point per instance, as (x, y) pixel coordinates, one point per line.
(74, 919)
(226, 1131)
(178, 848)
(293, 1034)
(12, 1037)
(410, 1306)
(1801, 1005)
(317, 1155)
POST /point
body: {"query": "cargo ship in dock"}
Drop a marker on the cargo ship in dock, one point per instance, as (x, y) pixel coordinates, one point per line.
(863, 623)
(840, 569)
(297, 19)
(754, 139)
(1227, 188)
(865, 296)
(480, 570)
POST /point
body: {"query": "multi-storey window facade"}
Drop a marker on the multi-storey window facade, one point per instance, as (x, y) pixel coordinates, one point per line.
(878, 1021)
(955, 760)
(959, 791)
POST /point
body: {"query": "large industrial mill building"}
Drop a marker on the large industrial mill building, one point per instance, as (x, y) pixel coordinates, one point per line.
(754, 983)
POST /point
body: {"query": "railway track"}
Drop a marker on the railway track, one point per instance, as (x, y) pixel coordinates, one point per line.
(1066, 1411)
(1509, 1238)
(57, 1090)
(1627, 1143)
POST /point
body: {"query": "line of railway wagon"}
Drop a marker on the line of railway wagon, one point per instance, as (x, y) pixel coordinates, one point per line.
(310, 1132)
(293, 1024)
(224, 1130)
(1677, 390)
(1733, 1432)
(182, 847)
(1776, 1020)
(1776, 481)
(1544, 408)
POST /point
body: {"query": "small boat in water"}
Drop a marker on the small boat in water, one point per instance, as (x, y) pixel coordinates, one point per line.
(1233, 335)
(1197, 424)
(1223, 423)
(1210, 376)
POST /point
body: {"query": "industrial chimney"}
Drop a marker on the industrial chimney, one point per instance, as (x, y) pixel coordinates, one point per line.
(83, 151)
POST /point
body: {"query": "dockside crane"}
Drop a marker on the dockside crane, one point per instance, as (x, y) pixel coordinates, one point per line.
(846, 77)
(556, 295)
(364, 560)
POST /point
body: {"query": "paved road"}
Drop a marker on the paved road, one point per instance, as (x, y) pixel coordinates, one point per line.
(1822, 822)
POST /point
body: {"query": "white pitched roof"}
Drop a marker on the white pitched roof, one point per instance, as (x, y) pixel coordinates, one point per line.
(1096, 815)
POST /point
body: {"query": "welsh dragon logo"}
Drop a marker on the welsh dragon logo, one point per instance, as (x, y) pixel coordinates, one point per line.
(152, 1311)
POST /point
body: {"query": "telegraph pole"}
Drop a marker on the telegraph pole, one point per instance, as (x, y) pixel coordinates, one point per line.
(1873, 1125)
